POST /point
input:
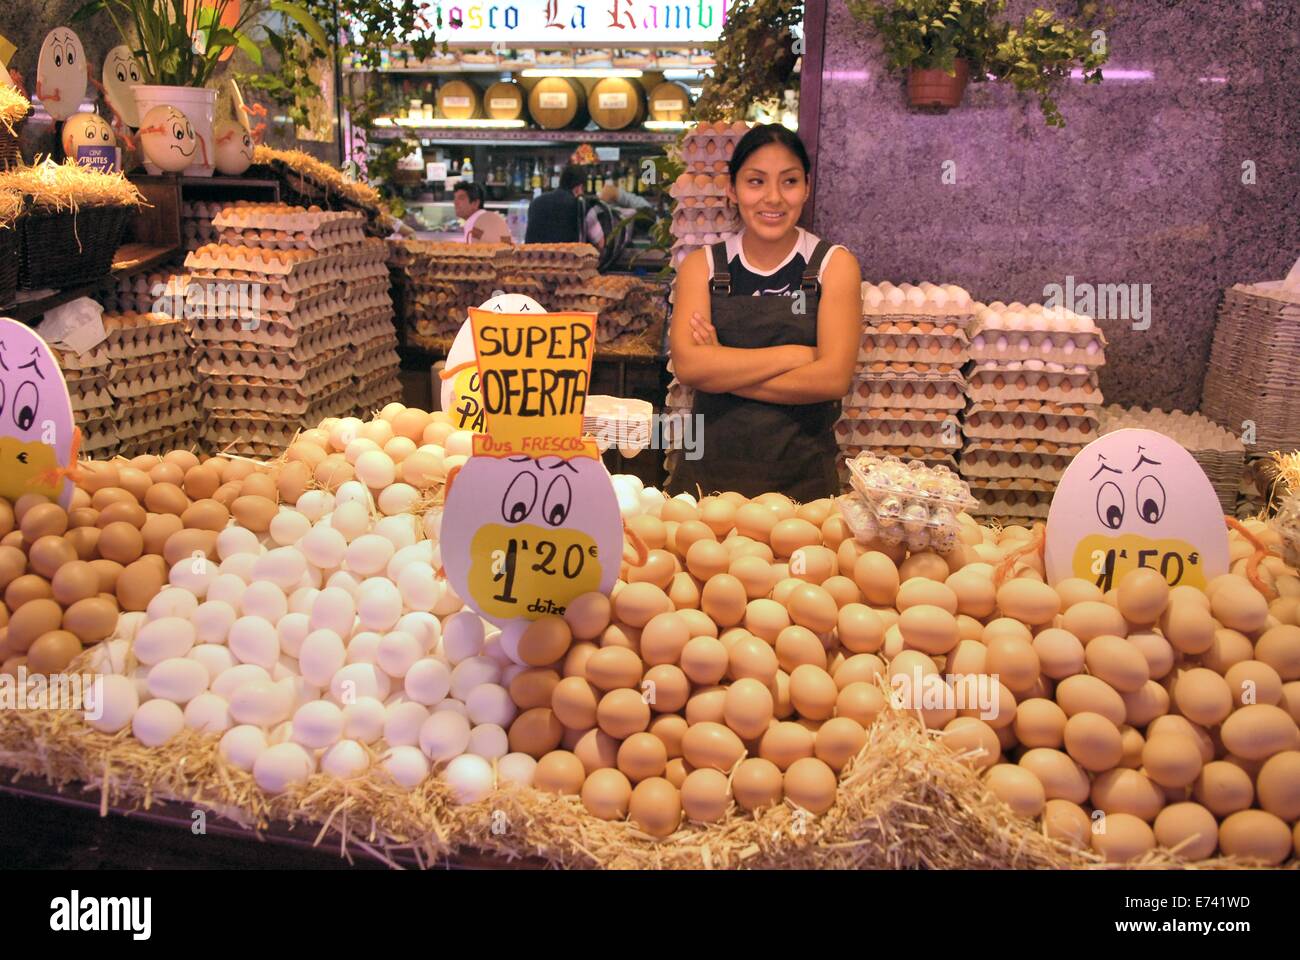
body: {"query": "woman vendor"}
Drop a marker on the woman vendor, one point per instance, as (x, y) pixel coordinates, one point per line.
(765, 328)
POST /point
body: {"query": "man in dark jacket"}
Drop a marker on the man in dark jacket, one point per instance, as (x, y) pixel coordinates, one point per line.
(556, 216)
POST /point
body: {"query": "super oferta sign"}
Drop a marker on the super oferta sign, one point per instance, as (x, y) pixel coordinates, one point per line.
(594, 22)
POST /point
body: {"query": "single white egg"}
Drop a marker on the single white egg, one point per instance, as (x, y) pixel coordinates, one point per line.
(489, 703)
(216, 659)
(212, 620)
(242, 745)
(455, 706)
(314, 504)
(354, 491)
(364, 647)
(444, 735)
(401, 530)
(264, 599)
(179, 679)
(173, 602)
(208, 713)
(368, 555)
(283, 566)
(321, 655)
(364, 720)
(397, 499)
(227, 588)
(334, 609)
(233, 678)
(397, 653)
(162, 639)
(407, 766)
(346, 760)
(300, 600)
(351, 519)
(235, 539)
(428, 681)
(317, 725)
(403, 722)
(356, 680)
(424, 627)
(118, 702)
(262, 702)
(379, 604)
(399, 448)
(291, 631)
(469, 673)
(359, 446)
(489, 741)
(462, 636)
(418, 586)
(342, 580)
(109, 657)
(289, 526)
(240, 566)
(470, 778)
(283, 766)
(459, 443)
(254, 640)
(156, 722)
(344, 432)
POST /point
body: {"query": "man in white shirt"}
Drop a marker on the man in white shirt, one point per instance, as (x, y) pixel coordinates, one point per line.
(481, 226)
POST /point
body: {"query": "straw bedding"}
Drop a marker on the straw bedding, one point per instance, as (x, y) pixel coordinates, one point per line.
(905, 802)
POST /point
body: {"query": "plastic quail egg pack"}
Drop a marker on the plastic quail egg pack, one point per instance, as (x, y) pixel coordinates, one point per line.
(904, 503)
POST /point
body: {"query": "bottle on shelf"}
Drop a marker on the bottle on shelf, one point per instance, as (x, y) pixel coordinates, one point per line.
(591, 182)
(555, 177)
(467, 169)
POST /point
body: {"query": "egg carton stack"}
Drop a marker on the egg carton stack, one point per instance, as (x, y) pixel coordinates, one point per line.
(152, 383)
(618, 422)
(1034, 402)
(375, 363)
(436, 284)
(562, 269)
(275, 327)
(158, 291)
(196, 223)
(1254, 373)
(625, 307)
(93, 406)
(1220, 452)
(908, 389)
(702, 214)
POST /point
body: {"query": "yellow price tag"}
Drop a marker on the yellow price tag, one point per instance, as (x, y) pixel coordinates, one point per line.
(1105, 560)
(529, 571)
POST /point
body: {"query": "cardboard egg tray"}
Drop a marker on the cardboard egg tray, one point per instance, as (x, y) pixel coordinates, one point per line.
(276, 222)
(902, 393)
(699, 185)
(687, 220)
(166, 438)
(523, 284)
(709, 142)
(1018, 504)
(98, 436)
(378, 394)
(983, 463)
(196, 223)
(1012, 425)
(264, 334)
(924, 350)
(91, 397)
(284, 389)
(165, 373)
(914, 326)
(1015, 381)
(154, 412)
(706, 203)
(904, 370)
(1069, 348)
(929, 429)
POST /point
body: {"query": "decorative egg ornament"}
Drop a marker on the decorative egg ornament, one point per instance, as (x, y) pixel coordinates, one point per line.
(121, 74)
(1135, 498)
(86, 130)
(61, 75)
(168, 139)
(35, 417)
(234, 152)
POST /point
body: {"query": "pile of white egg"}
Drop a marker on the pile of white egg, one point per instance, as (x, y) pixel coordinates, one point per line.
(635, 499)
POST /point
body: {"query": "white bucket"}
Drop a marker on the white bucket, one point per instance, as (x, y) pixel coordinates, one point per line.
(199, 106)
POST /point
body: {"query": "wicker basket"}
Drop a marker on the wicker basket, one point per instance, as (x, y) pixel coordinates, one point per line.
(67, 249)
(10, 155)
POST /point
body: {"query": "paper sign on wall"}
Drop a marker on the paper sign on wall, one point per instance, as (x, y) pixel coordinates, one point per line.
(36, 426)
(531, 519)
(1135, 498)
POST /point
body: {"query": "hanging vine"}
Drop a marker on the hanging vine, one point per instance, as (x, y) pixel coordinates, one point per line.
(755, 58)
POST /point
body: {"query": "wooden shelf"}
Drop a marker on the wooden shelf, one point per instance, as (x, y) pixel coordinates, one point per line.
(131, 258)
(524, 138)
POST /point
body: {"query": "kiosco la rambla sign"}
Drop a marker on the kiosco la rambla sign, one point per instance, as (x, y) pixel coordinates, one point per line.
(1135, 498)
(627, 23)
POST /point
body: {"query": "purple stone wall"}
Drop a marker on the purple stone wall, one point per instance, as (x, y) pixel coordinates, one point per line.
(1143, 185)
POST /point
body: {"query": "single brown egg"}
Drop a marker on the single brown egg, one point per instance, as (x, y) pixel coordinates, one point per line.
(48, 554)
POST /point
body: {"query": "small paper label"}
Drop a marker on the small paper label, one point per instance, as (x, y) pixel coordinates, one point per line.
(553, 101)
(612, 101)
(455, 101)
(669, 105)
(97, 158)
(503, 103)
(77, 325)
(435, 170)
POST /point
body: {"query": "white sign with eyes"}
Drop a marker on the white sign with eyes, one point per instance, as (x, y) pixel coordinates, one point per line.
(121, 75)
(1135, 498)
(61, 75)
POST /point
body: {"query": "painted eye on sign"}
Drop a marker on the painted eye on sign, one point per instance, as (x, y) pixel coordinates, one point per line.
(36, 427)
(1135, 498)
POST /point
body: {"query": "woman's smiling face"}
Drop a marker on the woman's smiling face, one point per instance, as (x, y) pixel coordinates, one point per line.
(770, 190)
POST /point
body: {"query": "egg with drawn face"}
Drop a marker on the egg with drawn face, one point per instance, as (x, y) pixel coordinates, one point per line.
(168, 139)
(522, 537)
(460, 391)
(35, 416)
(234, 153)
(86, 130)
(121, 74)
(1135, 498)
(61, 75)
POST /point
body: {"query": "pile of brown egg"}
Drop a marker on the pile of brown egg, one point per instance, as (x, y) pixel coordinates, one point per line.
(66, 574)
(740, 664)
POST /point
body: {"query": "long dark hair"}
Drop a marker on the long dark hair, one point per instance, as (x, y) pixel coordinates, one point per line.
(759, 137)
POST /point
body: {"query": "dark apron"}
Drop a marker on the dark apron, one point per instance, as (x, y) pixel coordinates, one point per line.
(752, 446)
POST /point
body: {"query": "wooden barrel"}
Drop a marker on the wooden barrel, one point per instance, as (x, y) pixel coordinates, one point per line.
(556, 103)
(504, 100)
(458, 100)
(616, 103)
(669, 100)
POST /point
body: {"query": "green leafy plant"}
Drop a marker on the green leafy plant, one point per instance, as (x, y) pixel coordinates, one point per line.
(755, 58)
(182, 42)
(1034, 55)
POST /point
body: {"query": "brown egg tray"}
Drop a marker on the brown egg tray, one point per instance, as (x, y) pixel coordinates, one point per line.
(942, 315)
(705, 149)
(1029, 504)
(272, 239)
(693, 202)
(305, 413)
(91, 396)
(699, 185)
(982, 464)
(166, 438)
(1010, 425)
(228, 389)
(704, 220)
(924, 350)
(139, 419)
(172, 375)
(98, 435)
(1053, 346)
(319, 310)
(987, 382)
(906, 394)
(247, 214)
(943, 431)
(901, 369)
(263, 367)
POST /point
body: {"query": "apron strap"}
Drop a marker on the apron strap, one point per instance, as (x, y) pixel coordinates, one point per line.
(812, 274)
(720, 281)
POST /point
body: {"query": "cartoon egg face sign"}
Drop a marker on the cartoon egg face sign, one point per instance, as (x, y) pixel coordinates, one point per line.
(234, 153)
(61, 73)
(1135, 498)
(35, 417)
(86, 130)
(121, 74)
(460, 393)
(168, 139)
(522, 537)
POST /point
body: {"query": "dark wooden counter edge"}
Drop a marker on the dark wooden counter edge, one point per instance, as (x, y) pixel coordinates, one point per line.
(178, 816)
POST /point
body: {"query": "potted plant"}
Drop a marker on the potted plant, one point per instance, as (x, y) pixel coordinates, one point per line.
(179, 44)
(943, 44)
